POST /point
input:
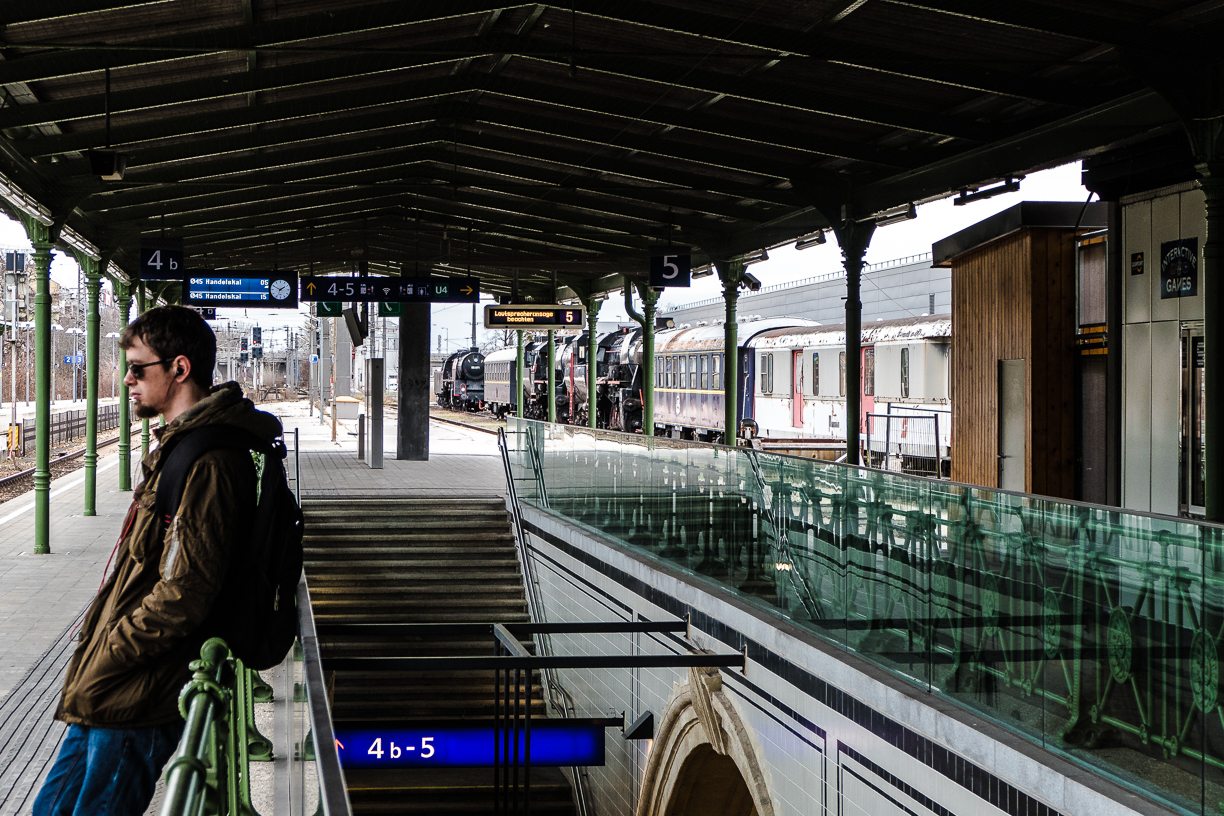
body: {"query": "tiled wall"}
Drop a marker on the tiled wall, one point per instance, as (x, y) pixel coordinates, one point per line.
(837, 737)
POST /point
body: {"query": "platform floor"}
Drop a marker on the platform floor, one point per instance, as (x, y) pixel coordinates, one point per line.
(41, 596)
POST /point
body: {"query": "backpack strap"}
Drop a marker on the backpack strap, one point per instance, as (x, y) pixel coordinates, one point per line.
(178, 459)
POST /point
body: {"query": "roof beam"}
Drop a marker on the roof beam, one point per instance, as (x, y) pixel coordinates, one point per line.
(81, 58)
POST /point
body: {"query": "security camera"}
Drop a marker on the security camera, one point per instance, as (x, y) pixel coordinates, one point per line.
(751, 283)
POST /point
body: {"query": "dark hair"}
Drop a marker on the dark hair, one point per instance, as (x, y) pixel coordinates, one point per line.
(173, 330)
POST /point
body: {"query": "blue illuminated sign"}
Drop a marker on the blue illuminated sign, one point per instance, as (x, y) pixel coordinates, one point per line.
(552, 744)
(267, 290)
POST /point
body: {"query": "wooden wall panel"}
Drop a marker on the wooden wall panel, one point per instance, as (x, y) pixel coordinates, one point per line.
(1013, 299)
(990, 322)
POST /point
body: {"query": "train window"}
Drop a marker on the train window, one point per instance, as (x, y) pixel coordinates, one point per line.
(904, 372)
(670, 376)
(705, 372)
(658, 371)
(767, 374)
(715, 372)
(692, 382)
(841, 374)
(683, 371)
(869, 372)
(815, 373)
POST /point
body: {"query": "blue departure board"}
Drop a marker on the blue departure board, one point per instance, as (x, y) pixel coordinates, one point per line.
(264, 290)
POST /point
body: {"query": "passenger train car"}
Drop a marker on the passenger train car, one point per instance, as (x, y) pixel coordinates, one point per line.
(792, 384)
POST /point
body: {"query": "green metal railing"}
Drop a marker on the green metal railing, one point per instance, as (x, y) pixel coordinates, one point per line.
(1092, 631)
(210, 771)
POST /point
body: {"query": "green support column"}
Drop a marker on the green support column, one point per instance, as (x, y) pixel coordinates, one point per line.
(123, 294)
(1212, 174)
(552, 377)
(144, 423)
(592, 367)
(650, 299)
(518, 377)
(93, 283)
(731, 273)
(42, 392)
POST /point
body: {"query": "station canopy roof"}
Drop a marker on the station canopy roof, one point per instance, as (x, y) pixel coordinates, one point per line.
(527, 141)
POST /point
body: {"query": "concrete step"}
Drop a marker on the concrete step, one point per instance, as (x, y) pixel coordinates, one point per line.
(449, 791)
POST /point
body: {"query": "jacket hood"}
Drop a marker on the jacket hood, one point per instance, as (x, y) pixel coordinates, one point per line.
(225, 405)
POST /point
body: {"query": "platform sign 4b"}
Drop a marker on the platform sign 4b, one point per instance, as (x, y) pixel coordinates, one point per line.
(161, 262)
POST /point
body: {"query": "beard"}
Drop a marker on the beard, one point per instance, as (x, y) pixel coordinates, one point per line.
(146, 411)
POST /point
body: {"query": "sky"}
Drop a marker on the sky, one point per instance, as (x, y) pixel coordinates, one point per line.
(936, 220)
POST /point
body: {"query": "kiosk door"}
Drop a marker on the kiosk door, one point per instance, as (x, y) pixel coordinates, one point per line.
(1193, 415)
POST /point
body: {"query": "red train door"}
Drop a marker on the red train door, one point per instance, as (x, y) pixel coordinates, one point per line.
(797, 388)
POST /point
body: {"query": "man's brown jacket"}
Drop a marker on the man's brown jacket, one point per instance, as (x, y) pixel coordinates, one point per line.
(149, 619)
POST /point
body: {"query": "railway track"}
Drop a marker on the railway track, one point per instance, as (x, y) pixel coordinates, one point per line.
(67, 457)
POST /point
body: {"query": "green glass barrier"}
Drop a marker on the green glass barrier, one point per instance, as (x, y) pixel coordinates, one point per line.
(1091, 631)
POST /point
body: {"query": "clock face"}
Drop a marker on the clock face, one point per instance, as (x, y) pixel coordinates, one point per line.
(280, 289)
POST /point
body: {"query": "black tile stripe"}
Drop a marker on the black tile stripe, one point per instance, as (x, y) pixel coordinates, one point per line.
(968, 775)
(909, 790)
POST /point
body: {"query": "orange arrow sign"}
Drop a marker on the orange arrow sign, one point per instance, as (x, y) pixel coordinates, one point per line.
(339, 744)
(310, 287)
(467, 290)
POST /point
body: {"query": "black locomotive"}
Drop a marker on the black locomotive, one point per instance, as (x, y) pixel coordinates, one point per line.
(459, 384)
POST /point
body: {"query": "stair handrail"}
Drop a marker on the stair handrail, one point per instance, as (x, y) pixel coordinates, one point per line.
(333, 793)
(554, 689)
(780, 528)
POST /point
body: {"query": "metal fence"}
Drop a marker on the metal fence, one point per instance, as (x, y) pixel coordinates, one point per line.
(66, 426)
(908, 443)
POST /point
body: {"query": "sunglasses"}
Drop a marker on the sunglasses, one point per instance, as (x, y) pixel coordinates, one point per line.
(138, 369)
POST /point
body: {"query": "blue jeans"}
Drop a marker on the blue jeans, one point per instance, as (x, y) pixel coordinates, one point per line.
(102, 771)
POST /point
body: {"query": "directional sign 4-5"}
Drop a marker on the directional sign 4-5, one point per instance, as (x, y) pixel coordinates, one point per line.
(391, 290)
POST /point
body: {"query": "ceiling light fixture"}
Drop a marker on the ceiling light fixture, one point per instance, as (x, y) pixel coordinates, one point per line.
(909, 211)
(968, 194)
(808, 241)
(108, 164)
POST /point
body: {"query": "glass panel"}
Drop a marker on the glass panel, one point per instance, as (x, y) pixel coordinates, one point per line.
(716, 363)
(1090, 631)
(692, 381)
(705, 372)
(869, 372)
(683, 370)
(841, 372)
(815, 373)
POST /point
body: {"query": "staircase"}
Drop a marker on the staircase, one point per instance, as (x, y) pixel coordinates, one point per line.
(419, 561)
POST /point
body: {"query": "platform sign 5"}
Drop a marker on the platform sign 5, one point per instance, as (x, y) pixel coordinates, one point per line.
(671, 269)
(530, 316)
(391, 290)
(260, 289)
(552, 744)
(162, 262)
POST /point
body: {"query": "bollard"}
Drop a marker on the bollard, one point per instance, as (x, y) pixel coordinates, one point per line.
(360, 437)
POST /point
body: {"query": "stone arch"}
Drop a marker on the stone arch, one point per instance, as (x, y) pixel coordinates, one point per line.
(704, 758)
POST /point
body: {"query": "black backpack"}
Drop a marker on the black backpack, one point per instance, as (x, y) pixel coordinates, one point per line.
(256, 612)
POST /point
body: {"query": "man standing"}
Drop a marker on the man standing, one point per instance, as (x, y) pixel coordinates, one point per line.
(155, 610)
